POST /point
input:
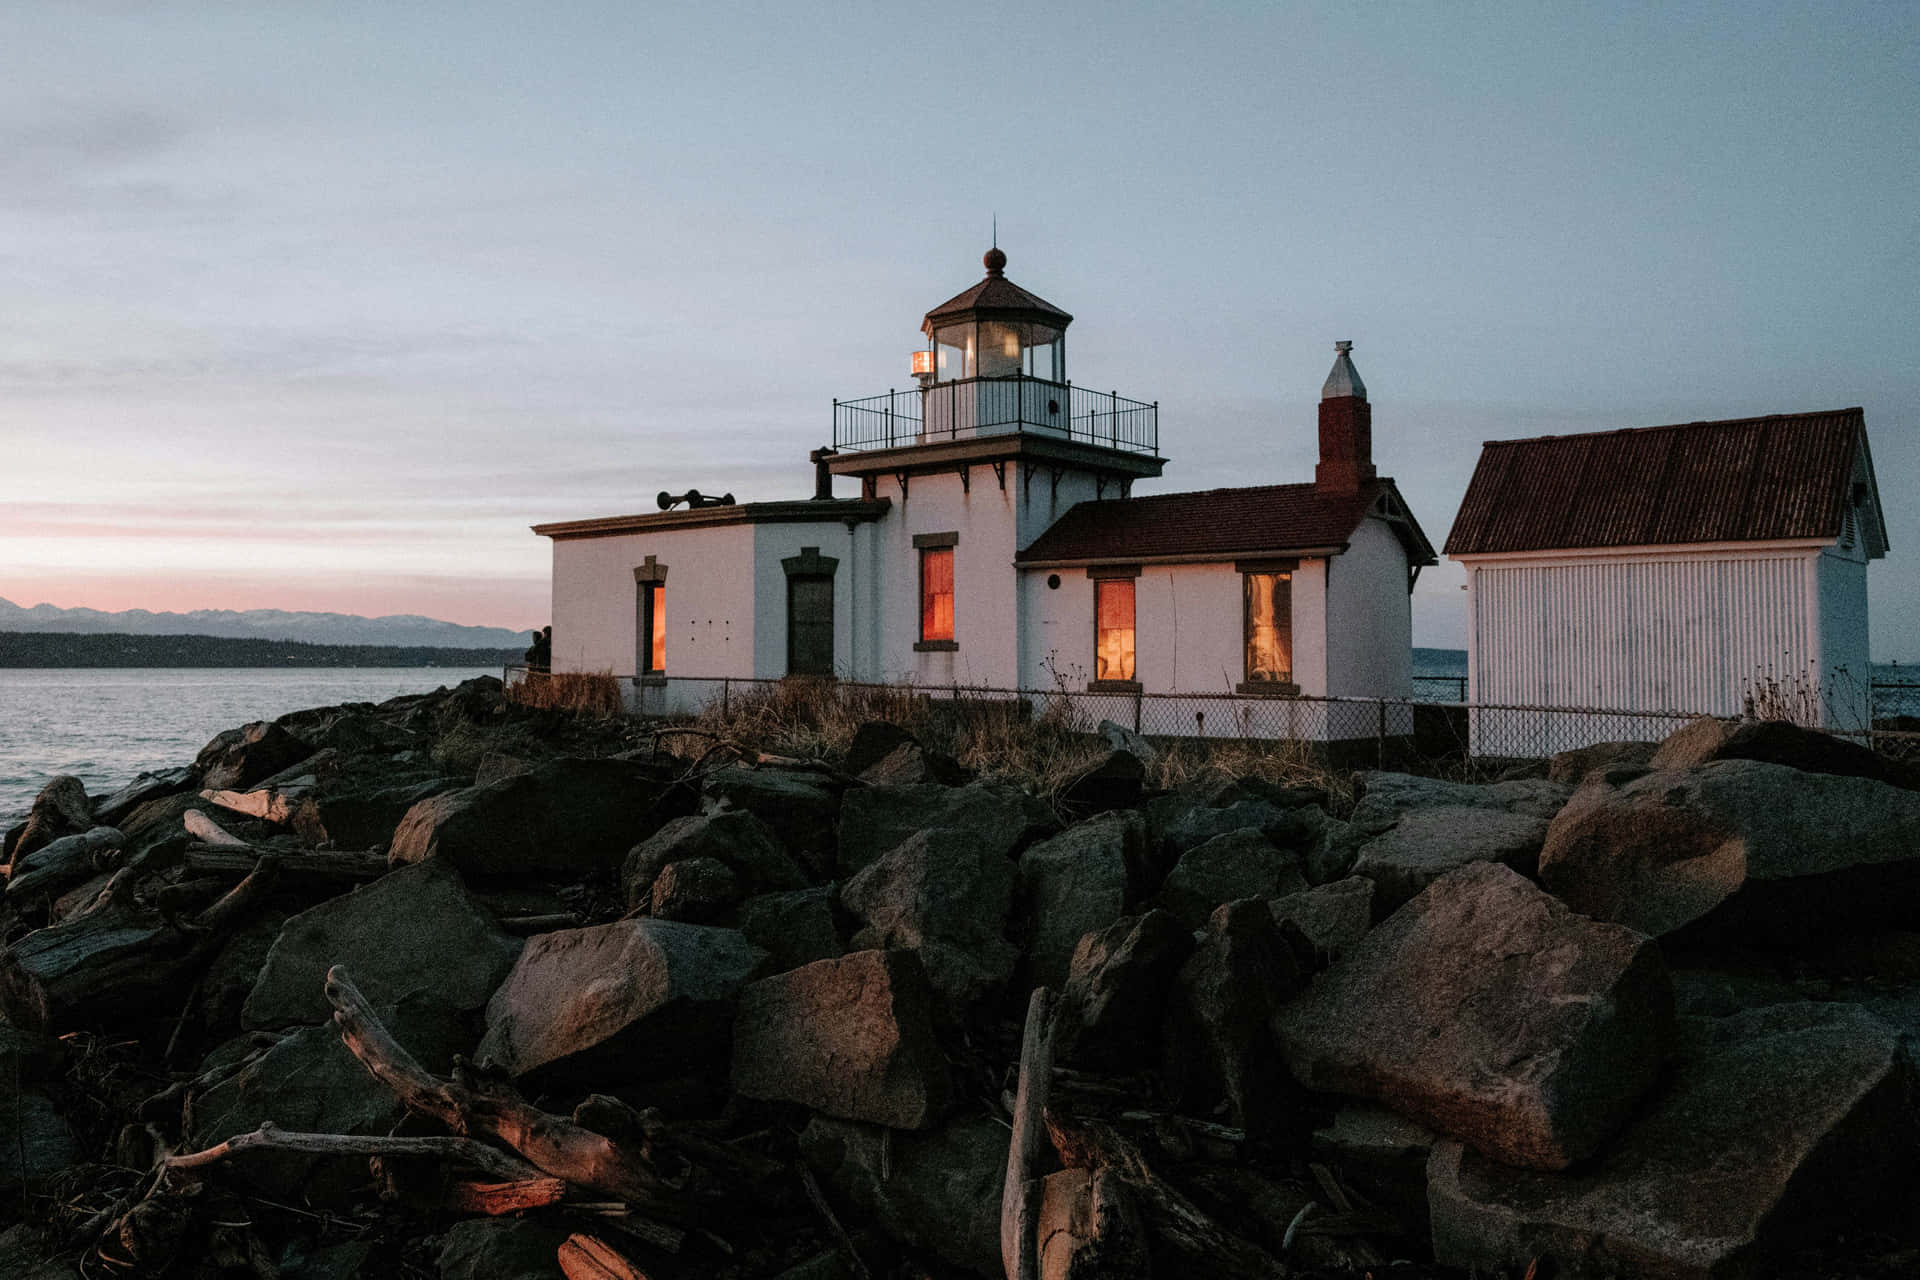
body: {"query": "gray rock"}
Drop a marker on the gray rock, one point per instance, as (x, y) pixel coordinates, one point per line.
(1779, 742)
(35, 1142)
(1777, 1126)
(909, 764)
(873, 742)
(697, 890)
(1573, 766)
(308, 1260)
(1218, 1042)
(736, 838)
(1387, 796)
(309, 1082)
(938, 1192)
(851, 1038)
(1121, 738)
(1488, 1011)
(1076, 883)
(1234, 865)
(793, 928)
(112, 809)
(1383, 1154)
(415, 930)
(1738, 850)
(1331, 916)
(947, 895)
(1424, 844)
(567, 816)
(61, 809)
(236, 967)
(502, 1249)
(802, 808)
(236, 759)
(1114, 781)
(629, 1000)
(1184, 829)
(1002, 818)
(1117, 990)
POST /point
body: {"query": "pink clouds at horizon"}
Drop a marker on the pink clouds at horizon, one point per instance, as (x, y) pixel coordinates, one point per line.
(517, 604)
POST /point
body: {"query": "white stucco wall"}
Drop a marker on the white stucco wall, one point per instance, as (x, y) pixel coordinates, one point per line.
(1369, 613)
(710, 600)
(854, 601)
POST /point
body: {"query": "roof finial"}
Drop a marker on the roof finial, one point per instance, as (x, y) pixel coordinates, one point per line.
(1345, 379)
(996, 261)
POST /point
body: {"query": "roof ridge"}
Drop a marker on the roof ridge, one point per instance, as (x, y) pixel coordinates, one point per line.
(1681, 426)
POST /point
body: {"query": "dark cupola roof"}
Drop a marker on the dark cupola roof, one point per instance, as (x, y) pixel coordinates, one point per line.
(996, 298)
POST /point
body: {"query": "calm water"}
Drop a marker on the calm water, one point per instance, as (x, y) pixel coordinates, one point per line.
(106, 725)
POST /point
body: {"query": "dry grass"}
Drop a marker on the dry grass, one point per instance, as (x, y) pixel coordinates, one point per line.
(1041, 747)
(589, 693)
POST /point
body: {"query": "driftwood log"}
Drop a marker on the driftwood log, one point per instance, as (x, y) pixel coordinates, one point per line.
(270, 1137)
(207, 831)
(117, 957)
(492, 1109)
(65, 861)
(1020, 1194)
(296, 864)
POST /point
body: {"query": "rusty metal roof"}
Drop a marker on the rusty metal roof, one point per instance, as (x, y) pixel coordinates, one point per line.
(1223, 524)
(1742, 480)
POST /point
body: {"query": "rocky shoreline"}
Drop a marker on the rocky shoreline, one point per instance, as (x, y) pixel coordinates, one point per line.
(451, 987)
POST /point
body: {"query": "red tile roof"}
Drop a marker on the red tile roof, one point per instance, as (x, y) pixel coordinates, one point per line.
(1746, 479)
(1220, 524)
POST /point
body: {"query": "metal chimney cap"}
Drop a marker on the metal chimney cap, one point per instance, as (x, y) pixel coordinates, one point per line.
(1345, 379)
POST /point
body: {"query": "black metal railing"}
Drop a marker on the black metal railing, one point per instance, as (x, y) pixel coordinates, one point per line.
(970, 407)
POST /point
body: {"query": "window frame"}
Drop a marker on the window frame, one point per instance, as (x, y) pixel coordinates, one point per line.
(933, 545)
(796, 581)
(653, 635)
(1283, 623)
(1101, 576)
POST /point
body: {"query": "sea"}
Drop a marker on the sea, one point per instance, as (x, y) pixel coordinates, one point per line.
(107, 725)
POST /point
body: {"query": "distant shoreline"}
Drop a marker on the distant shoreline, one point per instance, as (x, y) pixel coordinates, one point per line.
(42, 650)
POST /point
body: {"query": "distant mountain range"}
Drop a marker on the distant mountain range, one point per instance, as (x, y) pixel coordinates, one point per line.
(264, 624)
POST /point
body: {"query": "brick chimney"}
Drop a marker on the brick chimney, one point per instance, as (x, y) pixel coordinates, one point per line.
(1346, 428)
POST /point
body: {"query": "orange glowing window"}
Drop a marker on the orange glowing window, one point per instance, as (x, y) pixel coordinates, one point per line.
(1269, 628)
(936, 593)
(656, 626)
(1113, 629)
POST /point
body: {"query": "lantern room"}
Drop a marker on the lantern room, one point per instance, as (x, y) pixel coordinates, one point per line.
(994, 330)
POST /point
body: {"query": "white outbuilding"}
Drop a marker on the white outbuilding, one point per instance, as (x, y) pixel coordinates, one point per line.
(996, 544)
(1716, 567)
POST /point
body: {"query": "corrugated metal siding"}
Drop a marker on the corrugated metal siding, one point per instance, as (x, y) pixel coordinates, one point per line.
(1678, 634)
(1739, 481)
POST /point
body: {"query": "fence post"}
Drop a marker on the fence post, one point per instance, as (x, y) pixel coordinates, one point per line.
(726, 689)
(1138, 697)
(889, 417)
(1113, 417)
(1380, 734)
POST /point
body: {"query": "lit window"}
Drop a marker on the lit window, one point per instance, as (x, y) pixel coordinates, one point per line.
(1113, 629)
(654, 626)
(1269, 628)
(936, 593)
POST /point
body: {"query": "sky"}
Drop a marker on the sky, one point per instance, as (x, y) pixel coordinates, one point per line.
(321, 306)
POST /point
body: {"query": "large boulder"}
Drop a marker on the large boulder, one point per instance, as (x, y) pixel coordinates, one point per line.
(61, 809)
(1572, 766)
(1002, 818)
(1777, 1126)
(1184, 827)
(1117, 989)
(801, 808)
(948, 895)
(1331, 917)
(412, 931)
(1076, 883)
(851, 1038)
(1386, 796)
(1113, 781)
(309, 1082)
(1424, 844)
(938, 1191)
(567, 816)
(238, 758)
(1234, 865)
(793, 928)
(697, 890)
(1738, 849)
(1487, 1010)
(1781, 742)
(733, 837)
(1218, 1042)
(629, 1000)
